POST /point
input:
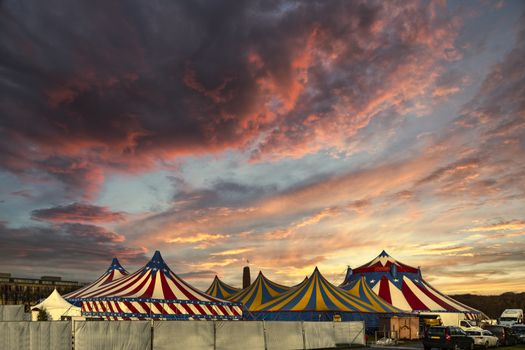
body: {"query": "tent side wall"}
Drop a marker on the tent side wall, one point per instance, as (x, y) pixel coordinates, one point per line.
(371, 319)
(160, 309)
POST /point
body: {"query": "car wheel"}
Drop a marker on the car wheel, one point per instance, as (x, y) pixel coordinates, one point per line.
(497, 343)
(486, 345)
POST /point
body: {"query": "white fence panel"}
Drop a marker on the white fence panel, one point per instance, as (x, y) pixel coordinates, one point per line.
(54, 335)
(184, 335)
(318, 335)
(349, 332)
(239, 335)
(14, 335)
(283, 335)
(11, 312)
(112, 335)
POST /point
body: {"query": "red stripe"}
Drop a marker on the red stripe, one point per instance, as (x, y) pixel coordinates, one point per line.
(166, 290)
(125, 281)
(160, 308)
(439, 301)
(449, 298)
(137, 288)
(95, 307)
(110, 307)
(384, 289)
(103, 307)
(187, 308)
(199, 308)
(173, 306)
(117, 305)
(223, 310)
(132, 308)
(185, 287)
(412, 299)
(145, 307)
(188, 295)
(86, 306)
(211, 310)
(149, 291)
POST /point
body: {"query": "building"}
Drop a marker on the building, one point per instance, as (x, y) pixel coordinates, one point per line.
(27, 291)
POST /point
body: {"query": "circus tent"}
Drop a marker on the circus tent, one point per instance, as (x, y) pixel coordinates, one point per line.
(317, 299)
(55, 307)
(260, 291)
(221, 290)
(114, 272)
(154, 291)
(403, 286)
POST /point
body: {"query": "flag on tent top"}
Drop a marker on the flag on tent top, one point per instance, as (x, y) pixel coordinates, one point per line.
(114, 272)
(154, 291)
(260, 291)
(219, 289)
(403, 286)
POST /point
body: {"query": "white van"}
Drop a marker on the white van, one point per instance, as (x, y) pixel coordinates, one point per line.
(510, 317)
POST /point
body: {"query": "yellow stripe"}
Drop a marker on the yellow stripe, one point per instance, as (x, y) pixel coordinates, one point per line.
(301, 305)
(319, 301)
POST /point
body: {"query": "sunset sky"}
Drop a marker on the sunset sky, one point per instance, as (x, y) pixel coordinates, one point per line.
(290, 134)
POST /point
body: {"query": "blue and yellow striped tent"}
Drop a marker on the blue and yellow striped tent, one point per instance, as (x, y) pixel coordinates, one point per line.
(221, 290)
(316, 299)
(362, 290)
(260, 291)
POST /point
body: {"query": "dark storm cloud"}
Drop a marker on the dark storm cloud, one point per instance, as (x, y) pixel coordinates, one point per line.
(221, 193)
(93, 87)
(77, 212)
(73, 246)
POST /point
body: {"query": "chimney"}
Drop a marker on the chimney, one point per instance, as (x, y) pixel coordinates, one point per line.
(246, 279)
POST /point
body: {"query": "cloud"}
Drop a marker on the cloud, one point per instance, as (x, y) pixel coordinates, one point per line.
(275, 80)
(499, 226)
(66, 247)
(195, 238)
(77, 212)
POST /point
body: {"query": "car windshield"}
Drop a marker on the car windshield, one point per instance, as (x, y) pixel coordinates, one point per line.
(436, 331)
(508, 319)
(473, 333)
(495, 330)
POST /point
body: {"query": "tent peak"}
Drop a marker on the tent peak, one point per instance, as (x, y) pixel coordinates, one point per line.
(115, 265)
(157, 262)
(383, 254)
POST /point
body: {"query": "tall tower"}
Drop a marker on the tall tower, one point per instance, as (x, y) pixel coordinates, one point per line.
(246, 279)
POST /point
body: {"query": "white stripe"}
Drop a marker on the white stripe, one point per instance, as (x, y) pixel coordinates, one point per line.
(449, 301)
(429, 303)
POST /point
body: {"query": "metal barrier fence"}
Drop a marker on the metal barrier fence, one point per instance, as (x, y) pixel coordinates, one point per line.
(187, 335)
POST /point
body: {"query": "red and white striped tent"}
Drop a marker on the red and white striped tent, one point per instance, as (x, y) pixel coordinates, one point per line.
(155, 292)
(114, 272)
(403, 286)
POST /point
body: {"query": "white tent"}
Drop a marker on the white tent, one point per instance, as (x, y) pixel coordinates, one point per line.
(56, 307)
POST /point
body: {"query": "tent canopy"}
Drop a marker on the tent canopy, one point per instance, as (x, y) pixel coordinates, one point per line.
(221, 290)
(317, 294)
(402, 286)
(260, 291)
(114, 272)
(56, 307)
(155, 291)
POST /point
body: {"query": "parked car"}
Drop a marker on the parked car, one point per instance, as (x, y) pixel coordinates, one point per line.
(519, 330)
(468, 325)
(483, 339)
(505, 334)
(443, 337)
